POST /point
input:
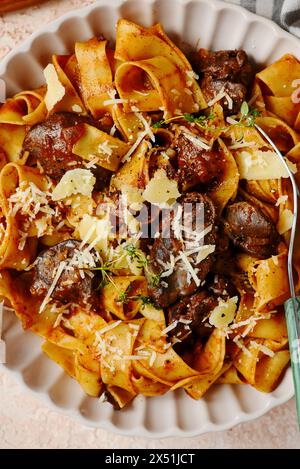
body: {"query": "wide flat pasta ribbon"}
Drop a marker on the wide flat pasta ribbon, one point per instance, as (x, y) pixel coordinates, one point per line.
(11, 177)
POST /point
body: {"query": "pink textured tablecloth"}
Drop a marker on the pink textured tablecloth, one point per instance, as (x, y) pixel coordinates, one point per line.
(25, 422)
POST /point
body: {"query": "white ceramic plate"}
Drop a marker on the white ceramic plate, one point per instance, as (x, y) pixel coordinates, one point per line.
(214, 25)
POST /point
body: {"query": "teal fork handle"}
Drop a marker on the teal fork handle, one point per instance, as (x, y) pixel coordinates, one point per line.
(291, 307)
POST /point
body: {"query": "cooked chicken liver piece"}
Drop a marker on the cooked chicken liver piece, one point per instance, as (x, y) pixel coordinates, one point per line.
(51, 143)
(71, 287)
(195, 207)
(196, 165)
(251, 230)
(192, 309)
(228, 69)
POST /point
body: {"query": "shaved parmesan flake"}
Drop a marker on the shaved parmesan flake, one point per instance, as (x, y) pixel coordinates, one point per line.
(106, 148)
(146, 125)
(229, 100)
(141, 136)
(231, 121)
(113, 130)
(95, 231)
(189, 268)
(218, 97)
(262, 348)
(109, 327)
(205, 251)
(169, 328)
(161, 190)
(223, 314)
(285, 221)
(152, 358)
(197, 141)
(75, 181)
(167, 346)
(281, 200)
(59, 271)
(185, 321)
(241, 345)
(55, 90)
(260, 165)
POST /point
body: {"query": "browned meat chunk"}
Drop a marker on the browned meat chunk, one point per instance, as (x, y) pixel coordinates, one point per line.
(51, 143)
(198, 214)
(221, 287)
(191, 313)
(225, 69)
(74, 285)
(196, 165)
(250, 230)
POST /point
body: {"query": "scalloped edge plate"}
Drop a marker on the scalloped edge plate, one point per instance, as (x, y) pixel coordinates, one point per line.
(212, 24)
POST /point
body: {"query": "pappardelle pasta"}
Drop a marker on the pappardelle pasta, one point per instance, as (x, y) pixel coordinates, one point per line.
(145, 222)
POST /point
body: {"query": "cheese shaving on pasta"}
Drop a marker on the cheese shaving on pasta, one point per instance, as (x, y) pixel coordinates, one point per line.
(55, 90)
(75, 181)
(161, 190)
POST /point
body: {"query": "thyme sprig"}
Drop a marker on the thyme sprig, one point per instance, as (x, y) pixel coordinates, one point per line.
(248, 116)
(143, 262)
(124, 298)
(201, 121)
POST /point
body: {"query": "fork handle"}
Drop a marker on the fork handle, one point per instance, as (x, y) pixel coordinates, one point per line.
(292, 314)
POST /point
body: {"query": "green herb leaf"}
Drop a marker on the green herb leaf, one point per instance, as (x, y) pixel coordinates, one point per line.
(244, 109)
(158, 124)
(123, 298)
(189, 117)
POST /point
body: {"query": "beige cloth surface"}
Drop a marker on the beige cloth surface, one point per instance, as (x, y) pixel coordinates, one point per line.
(25, 422)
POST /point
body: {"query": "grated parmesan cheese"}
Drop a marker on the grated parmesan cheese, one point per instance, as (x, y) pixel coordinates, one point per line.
(146, 125)
(218, 97)
(109, 327)
(262, 348)
(169, 328)
(197, 141)
(59, 271)
(152, 358)
(241, 345)
(189, 268)
(141, 136)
